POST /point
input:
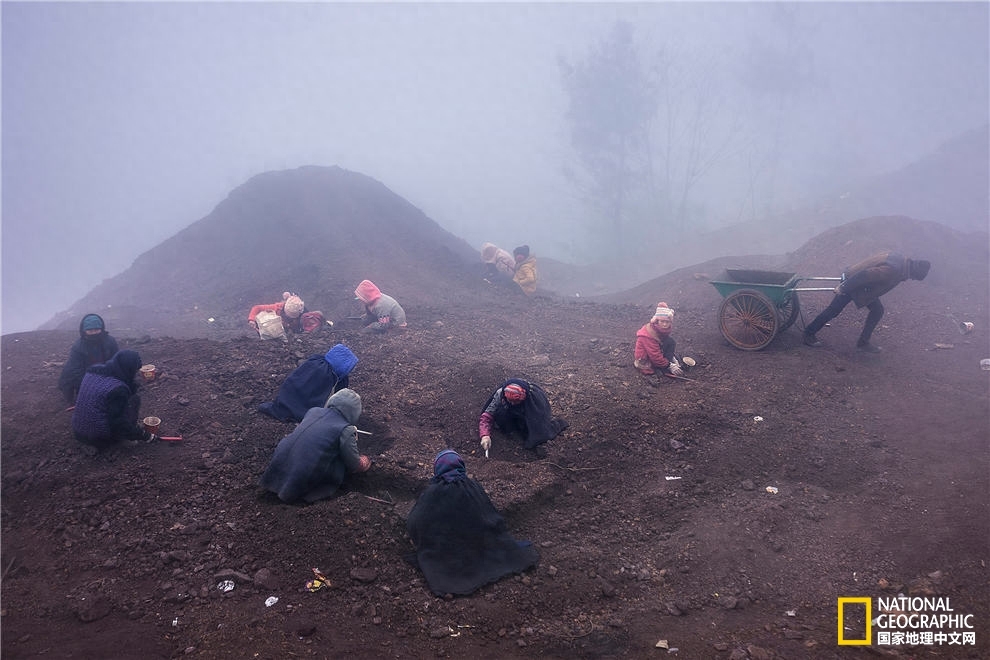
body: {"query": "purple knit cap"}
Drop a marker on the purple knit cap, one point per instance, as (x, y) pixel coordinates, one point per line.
(449, 466)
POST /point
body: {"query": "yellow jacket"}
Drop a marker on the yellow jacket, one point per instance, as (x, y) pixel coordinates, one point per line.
(525, 275)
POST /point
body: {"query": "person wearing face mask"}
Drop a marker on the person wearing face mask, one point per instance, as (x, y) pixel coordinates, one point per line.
(94, 346)
(655, 345)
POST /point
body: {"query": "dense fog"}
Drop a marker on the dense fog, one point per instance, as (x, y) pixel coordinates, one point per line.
(546, 124)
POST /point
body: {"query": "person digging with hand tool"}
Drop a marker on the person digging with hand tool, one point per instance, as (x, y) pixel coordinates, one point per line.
(522, 407)
(655, 346)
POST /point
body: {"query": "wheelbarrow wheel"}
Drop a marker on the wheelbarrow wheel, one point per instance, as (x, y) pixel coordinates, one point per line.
(788, 312)
(748, 320)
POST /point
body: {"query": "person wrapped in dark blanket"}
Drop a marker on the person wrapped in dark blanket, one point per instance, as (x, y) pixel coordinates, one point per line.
(108, 404)
(521, 407)
(311, 383)
(461, 540)
(311, 462)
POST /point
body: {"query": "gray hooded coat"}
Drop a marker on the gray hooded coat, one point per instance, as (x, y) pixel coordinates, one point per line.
(311, 462)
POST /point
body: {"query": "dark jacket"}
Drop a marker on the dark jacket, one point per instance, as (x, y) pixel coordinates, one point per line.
(875, 276)
(107, 406)
(532, 419)
(85, 352)
(310, 384)
(311, 462)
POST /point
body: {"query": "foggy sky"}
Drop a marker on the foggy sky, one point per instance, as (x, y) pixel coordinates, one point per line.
(124, 123)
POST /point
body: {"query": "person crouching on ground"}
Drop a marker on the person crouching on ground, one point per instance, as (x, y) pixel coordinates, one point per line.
(311, 463)
(655, 345)
(522, 407)
(94, 346)
(290, 310)
(108, 405)
(461, 540)
(500, 266)
(863, 284)
(525, 275)
(381, 312)
(309, 385)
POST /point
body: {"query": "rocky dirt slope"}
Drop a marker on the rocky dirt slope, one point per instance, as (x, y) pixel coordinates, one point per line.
(651, 512)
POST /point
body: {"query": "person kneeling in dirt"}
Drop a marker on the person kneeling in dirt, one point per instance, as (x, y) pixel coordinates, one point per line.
(525, 275)
(500, 266)
(311, 462)
(108, 406)
(523, 407)
(94, 346)
(461, 540)
(311, 383)
(381, 312)
(290, 311)
(655, 346)
(863, 284)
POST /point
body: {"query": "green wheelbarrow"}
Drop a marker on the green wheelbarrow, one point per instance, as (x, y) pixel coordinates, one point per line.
(760, 304)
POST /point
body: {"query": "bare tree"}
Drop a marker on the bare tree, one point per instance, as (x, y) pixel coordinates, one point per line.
(612, 100)
(646, 131)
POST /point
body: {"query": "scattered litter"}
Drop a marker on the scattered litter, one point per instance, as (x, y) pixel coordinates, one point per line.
(791, 612)
(945, 346)
(662, 644)
(210, 320)
(320, 581)
(271, 600)
(984, 364)
(965, 327)
(772, 490)
(330, 323)
(672, 478)
(226, 585)
(757, 419)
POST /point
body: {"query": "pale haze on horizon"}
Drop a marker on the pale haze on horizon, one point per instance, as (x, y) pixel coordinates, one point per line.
(123, 123)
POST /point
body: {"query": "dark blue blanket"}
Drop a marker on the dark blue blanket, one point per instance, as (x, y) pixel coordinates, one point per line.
(461, 540)
(307, 387)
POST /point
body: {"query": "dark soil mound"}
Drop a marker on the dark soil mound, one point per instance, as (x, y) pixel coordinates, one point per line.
(651, 512)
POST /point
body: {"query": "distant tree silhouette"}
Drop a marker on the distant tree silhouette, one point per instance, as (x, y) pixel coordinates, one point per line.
(645, 130)
(612, 100)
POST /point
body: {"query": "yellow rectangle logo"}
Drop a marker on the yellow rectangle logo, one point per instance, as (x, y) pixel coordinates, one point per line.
(866, 602)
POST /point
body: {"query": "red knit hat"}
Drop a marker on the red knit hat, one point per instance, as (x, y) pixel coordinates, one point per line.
(514, 393)
(663, 311)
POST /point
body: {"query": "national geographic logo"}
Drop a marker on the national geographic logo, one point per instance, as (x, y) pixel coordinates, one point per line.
(902, 620)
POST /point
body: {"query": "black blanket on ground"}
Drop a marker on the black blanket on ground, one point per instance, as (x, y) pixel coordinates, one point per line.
(461, 540)
(307, 387)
